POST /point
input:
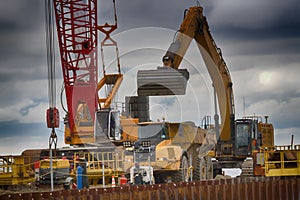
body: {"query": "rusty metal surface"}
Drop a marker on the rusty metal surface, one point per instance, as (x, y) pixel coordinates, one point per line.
(239, 188)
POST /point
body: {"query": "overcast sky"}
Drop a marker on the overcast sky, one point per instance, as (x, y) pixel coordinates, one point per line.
(260, 43)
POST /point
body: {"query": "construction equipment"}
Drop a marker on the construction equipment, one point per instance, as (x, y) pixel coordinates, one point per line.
(274, 161)
(90, 119)
(61, 172)
(100, 162)
(163, 81)
(77, 31)
(15, 170)
(76, 23)
(236, 139)
(169, 79)
(281, 161)
(166, 151)
(163, 150)
(193, 26)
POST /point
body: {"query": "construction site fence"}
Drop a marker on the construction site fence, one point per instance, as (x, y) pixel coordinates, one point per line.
(258, 188)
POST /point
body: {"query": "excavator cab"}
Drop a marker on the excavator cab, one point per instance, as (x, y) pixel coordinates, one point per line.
(107, 126)
(164, 80)
(244, 129)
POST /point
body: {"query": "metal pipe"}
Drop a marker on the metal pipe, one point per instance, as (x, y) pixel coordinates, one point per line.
(51, 170)
(292, 142)
(103, 174)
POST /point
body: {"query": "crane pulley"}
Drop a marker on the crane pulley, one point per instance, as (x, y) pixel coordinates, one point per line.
(77, 33)
(76, 23)
(52, 112)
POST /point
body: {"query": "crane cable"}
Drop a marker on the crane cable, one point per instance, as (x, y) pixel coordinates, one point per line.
(49, 22)
(50, 53)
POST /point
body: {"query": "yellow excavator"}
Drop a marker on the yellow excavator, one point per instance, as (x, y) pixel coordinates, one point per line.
(235, 139)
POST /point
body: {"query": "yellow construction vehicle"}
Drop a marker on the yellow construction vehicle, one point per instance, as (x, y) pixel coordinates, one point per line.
(155, 151)
(236, 139)
(170, 80)
(61, 172)
(170, 150)
(16, 170)
(92, 122)
(175, 150)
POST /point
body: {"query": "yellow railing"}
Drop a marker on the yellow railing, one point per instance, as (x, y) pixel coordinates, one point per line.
(100, 165)
(282, 161)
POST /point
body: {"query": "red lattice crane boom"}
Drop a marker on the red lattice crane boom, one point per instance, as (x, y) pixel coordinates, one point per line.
(76, 23)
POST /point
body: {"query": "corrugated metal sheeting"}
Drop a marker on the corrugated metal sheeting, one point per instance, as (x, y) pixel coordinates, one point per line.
(271, 188)
(163, 81)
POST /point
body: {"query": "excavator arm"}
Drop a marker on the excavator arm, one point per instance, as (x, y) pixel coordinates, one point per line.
(194, 26)
(220, 77)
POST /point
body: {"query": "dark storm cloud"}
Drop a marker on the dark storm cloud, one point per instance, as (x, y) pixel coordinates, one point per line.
(156, 13)
(271, 26)
(252, 34)
(255, 14)
(14, 128)
(234, 20)
(8, 26)
(25, 14)
(265, 23)
(22, 39)
(280, 30)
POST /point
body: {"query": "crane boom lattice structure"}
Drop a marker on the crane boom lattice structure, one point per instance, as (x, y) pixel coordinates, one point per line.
(76, 27)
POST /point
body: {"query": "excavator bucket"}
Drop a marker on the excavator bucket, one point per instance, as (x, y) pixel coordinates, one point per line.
(162, 81)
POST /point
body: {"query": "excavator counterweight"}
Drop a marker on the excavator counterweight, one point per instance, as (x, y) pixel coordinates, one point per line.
(162, 81)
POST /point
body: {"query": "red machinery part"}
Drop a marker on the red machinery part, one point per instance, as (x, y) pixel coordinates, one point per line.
(76, 22)
(52, 118)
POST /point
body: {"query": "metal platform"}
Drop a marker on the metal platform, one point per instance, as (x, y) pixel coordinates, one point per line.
(282, 160)
(162, 81)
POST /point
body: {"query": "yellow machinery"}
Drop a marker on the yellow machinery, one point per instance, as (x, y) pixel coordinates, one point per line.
(237, 139)
(277, 161)
(282, 161)
(16, 170)
(61, 172)
(164, 81)
(100, 166)
(100, 163)
(23, 170)
(176, 151)
(171, 150)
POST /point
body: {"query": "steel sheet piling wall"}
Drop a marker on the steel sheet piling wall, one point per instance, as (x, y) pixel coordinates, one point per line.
(258, 188)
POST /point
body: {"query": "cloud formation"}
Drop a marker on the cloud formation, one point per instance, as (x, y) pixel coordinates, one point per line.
(259, 39)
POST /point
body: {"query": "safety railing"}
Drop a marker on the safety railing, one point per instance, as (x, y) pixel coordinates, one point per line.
(100, 166)
(282, 161)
